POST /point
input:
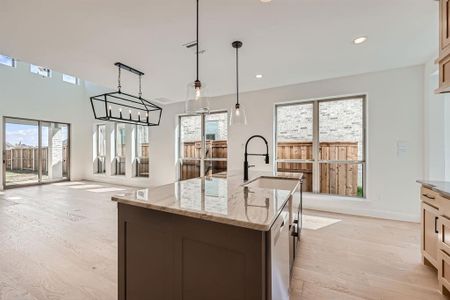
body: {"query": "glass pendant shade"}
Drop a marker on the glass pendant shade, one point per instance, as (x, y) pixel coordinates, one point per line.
(197, 101)
(238, 115)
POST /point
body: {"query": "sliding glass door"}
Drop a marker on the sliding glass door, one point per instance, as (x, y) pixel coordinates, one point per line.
(21, 152)
(35, 151)
(54, 141)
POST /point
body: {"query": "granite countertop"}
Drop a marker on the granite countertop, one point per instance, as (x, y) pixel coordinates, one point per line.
(219, 199)
(442, 187)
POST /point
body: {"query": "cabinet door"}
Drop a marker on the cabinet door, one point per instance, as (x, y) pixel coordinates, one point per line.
(430, 233)
(444, 272)
(444, 233)
(444, 74)
(444, 24)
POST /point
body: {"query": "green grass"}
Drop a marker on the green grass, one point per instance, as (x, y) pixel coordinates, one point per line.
(360, 193)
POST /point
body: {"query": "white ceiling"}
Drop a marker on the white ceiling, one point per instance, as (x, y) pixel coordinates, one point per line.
(289, 41)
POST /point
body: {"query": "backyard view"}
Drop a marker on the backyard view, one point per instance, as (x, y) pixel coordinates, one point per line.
(336, 165)
(216, 136)
(35, 151)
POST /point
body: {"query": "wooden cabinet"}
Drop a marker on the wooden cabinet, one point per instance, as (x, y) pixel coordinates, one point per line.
(444, 24)
(430, 218)
(435, 234)
(444, 47)
(444, 272)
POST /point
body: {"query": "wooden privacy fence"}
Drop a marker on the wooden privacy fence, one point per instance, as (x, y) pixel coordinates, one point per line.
(214, 149)
(335, 178)
(26, 159)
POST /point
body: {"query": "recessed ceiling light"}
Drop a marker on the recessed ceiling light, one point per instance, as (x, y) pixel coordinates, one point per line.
(359, 40)
(259, 76)
(265, 1)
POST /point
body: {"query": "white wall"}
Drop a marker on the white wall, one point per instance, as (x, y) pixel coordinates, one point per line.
(395, 114)
(434, 126)
(447, 137)
(27, 95)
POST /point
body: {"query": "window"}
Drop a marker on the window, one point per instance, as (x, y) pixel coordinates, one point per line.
(203, 145)
(101, 149)
(7, 61)
(119, 160)
(69, 79)
(325, 140)
(44, 72)
(142, 151)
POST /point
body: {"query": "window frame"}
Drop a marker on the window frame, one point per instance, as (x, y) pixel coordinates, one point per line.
(101, 158)
(316, 161)
(202, 159)
(77, 80)
(138, 158)
(13, 61)
(119, 159)
(40, 68)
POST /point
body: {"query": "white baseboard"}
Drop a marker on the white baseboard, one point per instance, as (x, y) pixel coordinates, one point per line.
(357, 207)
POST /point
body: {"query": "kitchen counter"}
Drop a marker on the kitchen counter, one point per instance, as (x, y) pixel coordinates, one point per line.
(441, 187)
(217, 199)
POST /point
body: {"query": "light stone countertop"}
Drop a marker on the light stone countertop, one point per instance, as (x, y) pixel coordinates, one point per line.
(442, 187)
(219, 199)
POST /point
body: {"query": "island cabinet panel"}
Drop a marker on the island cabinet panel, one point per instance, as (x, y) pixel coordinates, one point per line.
(430, 233)
(167, 256)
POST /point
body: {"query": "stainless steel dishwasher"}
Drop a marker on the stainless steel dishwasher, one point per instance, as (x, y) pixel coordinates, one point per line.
(279, 256)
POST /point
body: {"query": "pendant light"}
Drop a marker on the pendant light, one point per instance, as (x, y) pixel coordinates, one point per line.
(238, 114)
(196, 98)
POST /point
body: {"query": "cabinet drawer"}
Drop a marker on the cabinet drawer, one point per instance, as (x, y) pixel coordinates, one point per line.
(429, 196)
(444, 206)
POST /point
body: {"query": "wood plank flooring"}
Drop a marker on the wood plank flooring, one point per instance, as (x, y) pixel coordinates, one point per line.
(60, 242)
(361, 258)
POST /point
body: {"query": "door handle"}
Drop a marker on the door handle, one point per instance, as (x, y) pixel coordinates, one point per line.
(435, 225)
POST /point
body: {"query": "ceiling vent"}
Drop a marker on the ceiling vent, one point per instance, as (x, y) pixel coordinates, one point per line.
(191, 45)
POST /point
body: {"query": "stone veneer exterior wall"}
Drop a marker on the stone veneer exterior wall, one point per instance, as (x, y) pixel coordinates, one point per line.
(191, 127)
(339, 121)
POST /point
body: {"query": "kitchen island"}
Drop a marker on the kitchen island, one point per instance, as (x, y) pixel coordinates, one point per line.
(210, 238)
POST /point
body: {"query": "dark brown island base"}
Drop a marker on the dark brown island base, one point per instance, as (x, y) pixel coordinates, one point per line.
(210, 238)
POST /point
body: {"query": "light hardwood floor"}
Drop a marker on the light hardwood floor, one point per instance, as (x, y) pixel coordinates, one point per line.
(60, 242)
(361, 258)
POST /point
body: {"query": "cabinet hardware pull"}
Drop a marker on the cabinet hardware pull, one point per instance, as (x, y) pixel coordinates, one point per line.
(429, 197)
(435, 225)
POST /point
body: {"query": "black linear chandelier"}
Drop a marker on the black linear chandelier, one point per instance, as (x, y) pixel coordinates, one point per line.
(125, 108)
